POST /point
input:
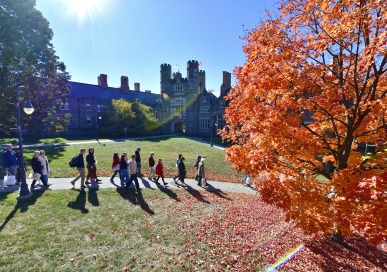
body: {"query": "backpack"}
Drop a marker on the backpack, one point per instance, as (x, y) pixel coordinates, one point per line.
(73, 162)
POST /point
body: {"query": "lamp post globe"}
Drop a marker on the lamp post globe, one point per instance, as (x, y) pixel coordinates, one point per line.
(28, 109)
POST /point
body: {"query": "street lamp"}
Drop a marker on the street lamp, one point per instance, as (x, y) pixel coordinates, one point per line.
(98, 119)
(28, 109)
(212, 124)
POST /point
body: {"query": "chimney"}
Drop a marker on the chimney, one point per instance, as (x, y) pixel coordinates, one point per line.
(124, 84)
(137, 86)
(102, 81)
(226, 85)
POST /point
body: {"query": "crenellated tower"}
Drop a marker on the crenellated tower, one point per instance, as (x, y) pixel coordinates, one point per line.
(192, 69)
(165, 73)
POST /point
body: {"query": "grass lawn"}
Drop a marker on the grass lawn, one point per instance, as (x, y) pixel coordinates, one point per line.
(164, 230)
(166, 148)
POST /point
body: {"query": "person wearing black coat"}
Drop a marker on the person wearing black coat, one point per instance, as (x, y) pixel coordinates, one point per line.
(37, 168)
(182, 171)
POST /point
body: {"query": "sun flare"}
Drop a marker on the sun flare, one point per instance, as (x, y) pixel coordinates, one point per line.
(86, 9)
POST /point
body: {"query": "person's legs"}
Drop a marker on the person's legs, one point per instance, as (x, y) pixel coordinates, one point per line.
(200, 181)
(12, 170)
(82, 174)
(136, 182)
(43, 178)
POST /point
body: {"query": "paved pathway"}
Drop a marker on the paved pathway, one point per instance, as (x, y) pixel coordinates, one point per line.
(64, 184)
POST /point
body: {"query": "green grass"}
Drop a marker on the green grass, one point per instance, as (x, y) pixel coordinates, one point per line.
(99, 230)
(166, 148)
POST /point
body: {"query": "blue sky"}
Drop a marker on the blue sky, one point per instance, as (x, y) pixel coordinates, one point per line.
(133, 37)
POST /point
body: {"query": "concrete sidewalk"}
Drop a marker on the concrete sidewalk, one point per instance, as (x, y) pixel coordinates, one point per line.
(64, 184)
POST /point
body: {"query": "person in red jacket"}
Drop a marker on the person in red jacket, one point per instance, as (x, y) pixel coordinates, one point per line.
(115, 166)
(160, 171)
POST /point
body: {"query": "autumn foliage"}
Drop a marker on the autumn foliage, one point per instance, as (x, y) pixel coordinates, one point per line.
(313, 87)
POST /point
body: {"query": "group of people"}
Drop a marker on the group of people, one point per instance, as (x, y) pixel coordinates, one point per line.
(39, 164)
(128, 170)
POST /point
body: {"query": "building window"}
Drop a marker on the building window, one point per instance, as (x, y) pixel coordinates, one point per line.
(205, 110)
(88, 120)
(100, 107)
(179, 100)
(220, 122)
(88, 107)
(178, 87)
(222, 105)
(205, 123)
(64, 106)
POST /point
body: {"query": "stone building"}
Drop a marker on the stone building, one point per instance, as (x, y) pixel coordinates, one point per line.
(187, 107)
(183, 105)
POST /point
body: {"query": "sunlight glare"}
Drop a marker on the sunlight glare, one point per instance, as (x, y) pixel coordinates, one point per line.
(86, 9)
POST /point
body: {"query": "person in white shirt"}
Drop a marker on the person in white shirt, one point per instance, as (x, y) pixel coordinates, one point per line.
(45, 166)
(132, 167)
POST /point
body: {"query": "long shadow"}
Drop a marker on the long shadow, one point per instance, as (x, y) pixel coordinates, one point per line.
(168, 192)
(217, 192)
(195, 193)
(92, 197)
(146, 183)
(138, 199)
(80, 202)
(23, 205)
(330, 253)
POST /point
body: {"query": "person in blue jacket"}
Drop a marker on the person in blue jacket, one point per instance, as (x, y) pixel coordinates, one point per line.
(10, 162)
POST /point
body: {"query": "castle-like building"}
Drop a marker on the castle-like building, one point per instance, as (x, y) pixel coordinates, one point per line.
(187, 107)
(183, 106)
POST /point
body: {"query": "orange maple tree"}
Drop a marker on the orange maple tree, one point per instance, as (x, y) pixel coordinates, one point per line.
(312, 88)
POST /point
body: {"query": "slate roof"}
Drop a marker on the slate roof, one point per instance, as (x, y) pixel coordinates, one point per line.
(85, 90)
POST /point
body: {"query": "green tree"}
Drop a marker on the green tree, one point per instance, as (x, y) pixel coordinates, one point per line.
(27, 57)
(120, 114)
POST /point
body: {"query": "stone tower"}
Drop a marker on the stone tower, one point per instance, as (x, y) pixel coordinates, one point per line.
(165, 75)
(226, 83)
(192, 69)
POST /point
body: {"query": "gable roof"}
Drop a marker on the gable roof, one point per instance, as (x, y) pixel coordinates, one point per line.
(85, 90)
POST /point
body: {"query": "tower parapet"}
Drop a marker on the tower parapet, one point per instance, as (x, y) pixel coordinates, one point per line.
(165, 73)
(226, 83)
(192, 69)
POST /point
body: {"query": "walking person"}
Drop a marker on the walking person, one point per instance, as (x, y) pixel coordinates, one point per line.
(124, 174)
(91, 167)
(37, 169)
(177, 167)
(133, 173)
(201, 172)
(45, 165)
(181, 168)
(152, 168)
(115, 166)
(196, 165)
(80, 165)
(138, 162)
(160, 172)
(10, 162)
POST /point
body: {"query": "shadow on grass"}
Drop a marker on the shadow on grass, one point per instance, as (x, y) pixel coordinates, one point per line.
(23, 205)
(168, 192)
(92, 196)
(217, 192)
(195, 193)
(358, 247)
(80, 202)
(135, 199)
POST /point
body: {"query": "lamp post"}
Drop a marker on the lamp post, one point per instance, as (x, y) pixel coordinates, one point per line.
(98, 119)
(212, 124)
(28, 109)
